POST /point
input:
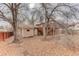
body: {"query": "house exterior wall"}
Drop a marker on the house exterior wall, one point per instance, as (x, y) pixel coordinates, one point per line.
(51, 31)
(5, 35)
(27, 32)
(23, 32)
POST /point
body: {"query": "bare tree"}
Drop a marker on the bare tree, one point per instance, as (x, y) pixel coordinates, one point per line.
(13, 7)
(51, 11)
(14, 10)
(33, 18)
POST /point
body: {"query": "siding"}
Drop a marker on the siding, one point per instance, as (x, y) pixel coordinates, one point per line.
(5, 35)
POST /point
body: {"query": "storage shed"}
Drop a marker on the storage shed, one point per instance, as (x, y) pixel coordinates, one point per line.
(25, 30)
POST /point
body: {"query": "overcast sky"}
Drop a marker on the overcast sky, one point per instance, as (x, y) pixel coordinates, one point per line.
(32, 5)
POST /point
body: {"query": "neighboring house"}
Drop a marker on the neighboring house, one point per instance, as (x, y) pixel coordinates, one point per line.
(76, 27)
(52, 29)
(39, 29)
(5, 30)
(73, 28)
(26, 30)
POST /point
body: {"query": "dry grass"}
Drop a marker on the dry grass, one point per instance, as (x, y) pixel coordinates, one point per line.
(51, 46)
(36, 46)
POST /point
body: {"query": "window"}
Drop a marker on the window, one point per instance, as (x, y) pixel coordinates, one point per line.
(28, 30)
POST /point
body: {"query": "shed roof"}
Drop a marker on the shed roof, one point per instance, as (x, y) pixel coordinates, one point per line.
(25, 26)
(5, 26)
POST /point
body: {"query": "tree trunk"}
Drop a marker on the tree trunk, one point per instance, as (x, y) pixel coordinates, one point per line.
(33, 29)
(45, 30)
(14, 14)
(15, 33)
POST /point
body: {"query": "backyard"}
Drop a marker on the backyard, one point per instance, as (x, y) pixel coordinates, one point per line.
(36, 46)
(39, 29)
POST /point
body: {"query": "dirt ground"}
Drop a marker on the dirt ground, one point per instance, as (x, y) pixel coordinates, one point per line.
(38, 46)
